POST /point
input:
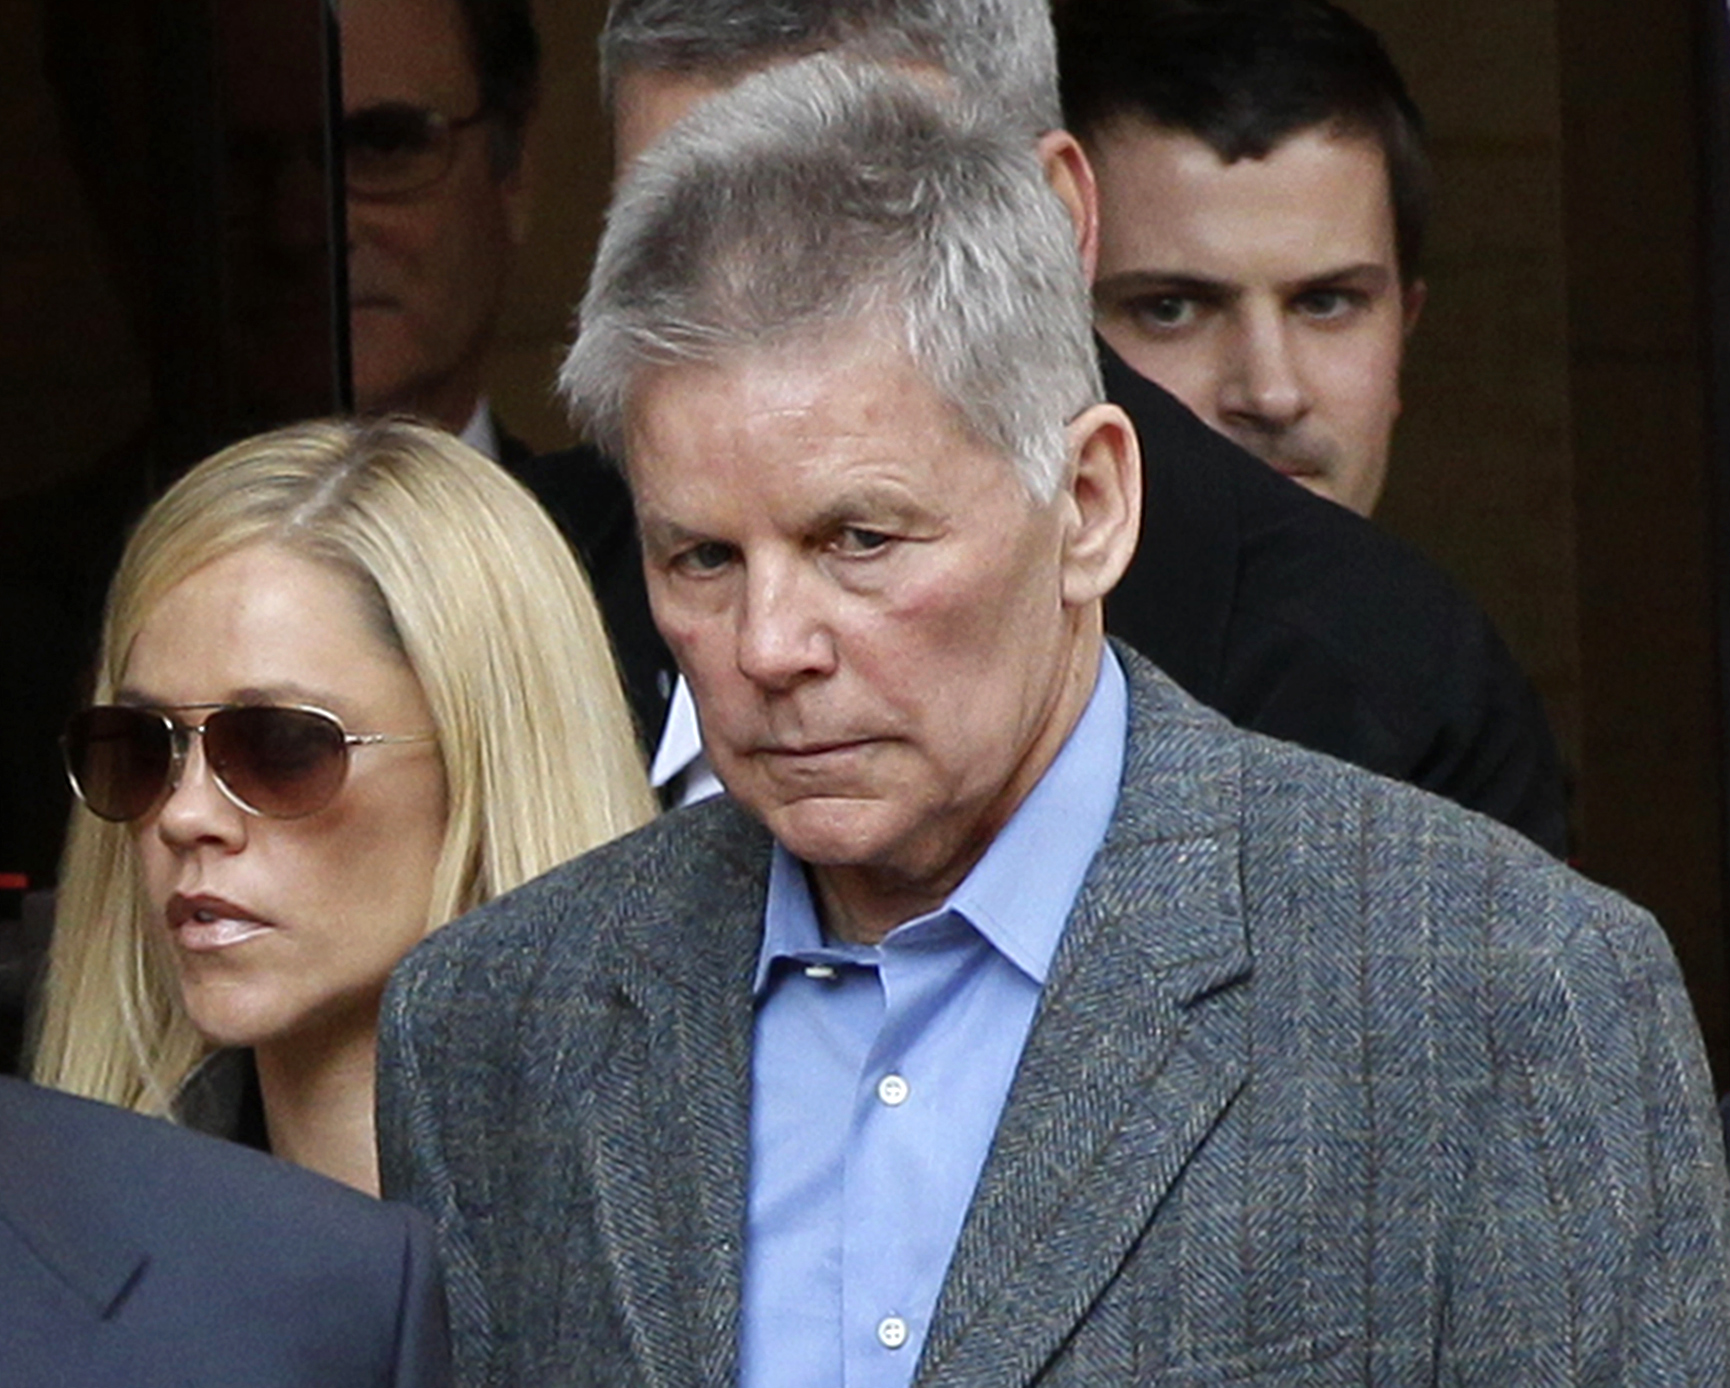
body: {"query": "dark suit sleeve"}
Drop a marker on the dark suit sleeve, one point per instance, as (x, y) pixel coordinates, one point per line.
(588, 499)
(423, 1357)
(1592, 1247)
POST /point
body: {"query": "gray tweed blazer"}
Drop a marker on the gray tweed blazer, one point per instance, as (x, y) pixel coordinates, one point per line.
(1332, 1082)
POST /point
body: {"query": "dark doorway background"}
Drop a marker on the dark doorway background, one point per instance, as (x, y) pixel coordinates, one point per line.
(169, 285)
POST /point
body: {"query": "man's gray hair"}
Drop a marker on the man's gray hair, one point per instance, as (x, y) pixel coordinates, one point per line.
(999, 52)
(828, 198)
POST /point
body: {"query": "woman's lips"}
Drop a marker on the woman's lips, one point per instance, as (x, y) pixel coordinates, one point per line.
(206, 923)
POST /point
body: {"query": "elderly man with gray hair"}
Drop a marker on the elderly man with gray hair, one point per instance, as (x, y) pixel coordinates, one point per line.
(1289, 617)
(1014, 1018)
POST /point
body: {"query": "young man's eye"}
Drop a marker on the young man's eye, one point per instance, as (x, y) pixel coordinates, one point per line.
(1165, 312)
(1328, 303)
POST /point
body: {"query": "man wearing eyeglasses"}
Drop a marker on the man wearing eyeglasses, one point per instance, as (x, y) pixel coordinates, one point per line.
(438, 96)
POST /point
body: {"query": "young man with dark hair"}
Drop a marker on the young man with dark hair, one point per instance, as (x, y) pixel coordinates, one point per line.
(1263, 195)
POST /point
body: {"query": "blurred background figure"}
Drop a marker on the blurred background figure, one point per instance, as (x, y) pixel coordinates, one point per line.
(351, 685)
(438, 97)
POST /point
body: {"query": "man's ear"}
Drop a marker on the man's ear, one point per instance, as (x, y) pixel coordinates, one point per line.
(1071, 177)
(1413, 297)
(1103, 491)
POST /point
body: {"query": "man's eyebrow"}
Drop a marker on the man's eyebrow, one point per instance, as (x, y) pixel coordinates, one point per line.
(867, 503)
(660, 536)
(1128, 282)
(1366, 270)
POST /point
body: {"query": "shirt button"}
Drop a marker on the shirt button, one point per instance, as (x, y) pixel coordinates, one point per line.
(892, 1090)
(892, 1332)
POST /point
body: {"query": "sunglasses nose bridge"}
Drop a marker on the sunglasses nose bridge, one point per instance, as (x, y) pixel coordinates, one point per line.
(183, 738)
(213, 762)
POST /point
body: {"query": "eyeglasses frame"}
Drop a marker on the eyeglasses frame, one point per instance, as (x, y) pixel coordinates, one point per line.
(443, 125)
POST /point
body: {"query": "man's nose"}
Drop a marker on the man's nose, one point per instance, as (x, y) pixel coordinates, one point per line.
(1262, 386)
(784, 634)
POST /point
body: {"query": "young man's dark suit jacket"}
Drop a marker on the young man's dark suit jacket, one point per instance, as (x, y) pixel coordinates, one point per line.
(1288, 614)
(1331, 1082)
(137, 1255)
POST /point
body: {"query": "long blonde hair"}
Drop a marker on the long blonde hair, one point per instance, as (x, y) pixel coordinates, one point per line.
(471, 581)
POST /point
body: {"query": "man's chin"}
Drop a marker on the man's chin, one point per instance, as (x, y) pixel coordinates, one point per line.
(832, 830)
(1353, 494)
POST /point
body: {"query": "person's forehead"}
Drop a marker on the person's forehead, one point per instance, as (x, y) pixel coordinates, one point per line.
(850, 405)
(647, 102)
(856, 370)
(415, 51)
(1318, 195)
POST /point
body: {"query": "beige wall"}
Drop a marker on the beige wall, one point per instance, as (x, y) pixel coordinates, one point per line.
(1482, 478)
(1554, 453)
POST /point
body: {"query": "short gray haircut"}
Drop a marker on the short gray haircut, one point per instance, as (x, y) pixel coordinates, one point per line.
(999, 52)
(831, 197)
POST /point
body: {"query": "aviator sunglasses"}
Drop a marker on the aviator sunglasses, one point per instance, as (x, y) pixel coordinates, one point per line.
(279, 761)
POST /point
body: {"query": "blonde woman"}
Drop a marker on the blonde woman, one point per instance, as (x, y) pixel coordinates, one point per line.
(351, 684)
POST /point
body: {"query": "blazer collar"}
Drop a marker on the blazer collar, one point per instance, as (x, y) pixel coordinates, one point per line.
(668, 1130)
(1140, 1044)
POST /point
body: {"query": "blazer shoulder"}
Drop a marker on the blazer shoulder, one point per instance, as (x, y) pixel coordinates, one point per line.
(1344, 827)
(176, 1238)
(619, 895)
(93, 1170)
(1293, 616)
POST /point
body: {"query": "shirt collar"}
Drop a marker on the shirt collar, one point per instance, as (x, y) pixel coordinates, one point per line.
(1018, 896)
(681, 738)
(481, 433)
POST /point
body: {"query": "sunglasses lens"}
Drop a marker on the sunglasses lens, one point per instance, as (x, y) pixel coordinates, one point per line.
(278, 762)
(119, 759)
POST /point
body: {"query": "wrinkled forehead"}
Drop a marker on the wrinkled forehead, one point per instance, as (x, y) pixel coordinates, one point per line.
(857, 348)
(859, 372)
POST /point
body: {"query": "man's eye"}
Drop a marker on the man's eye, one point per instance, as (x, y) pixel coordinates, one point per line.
(853, 539)
(705, 558)
(388, 131)
(1165, 312)
(1326, 304)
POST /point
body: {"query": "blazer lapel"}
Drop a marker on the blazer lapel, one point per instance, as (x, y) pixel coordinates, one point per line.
(668, 1128)
(1140, 1044)
(42, 1204)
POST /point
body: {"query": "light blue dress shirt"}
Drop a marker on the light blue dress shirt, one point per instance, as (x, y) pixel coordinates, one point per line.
(879, 1074)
